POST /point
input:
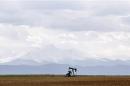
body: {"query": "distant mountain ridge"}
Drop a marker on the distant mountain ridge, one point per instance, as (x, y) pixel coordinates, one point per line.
(88, 62)
(87, 67)
(62, 69)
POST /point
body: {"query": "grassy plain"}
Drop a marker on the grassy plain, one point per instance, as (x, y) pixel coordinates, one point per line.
(42, 80)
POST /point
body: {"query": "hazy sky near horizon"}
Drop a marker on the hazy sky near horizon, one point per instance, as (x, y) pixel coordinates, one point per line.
(55, 31)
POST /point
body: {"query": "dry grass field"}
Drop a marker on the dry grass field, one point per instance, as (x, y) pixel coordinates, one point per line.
(41, 80)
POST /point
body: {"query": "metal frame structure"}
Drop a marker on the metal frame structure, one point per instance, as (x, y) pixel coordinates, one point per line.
(71, 72)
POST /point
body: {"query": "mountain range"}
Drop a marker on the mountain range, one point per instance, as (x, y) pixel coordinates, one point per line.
(94, 67)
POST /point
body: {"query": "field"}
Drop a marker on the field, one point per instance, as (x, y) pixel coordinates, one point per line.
(42, 80)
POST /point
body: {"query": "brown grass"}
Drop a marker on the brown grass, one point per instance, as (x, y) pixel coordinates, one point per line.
(41, 80)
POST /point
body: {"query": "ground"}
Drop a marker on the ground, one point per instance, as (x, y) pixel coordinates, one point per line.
(51, 80)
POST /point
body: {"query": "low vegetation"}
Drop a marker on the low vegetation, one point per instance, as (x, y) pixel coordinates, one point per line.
(42, 80)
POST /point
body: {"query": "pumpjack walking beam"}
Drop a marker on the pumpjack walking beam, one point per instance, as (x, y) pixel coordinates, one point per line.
(71, 71)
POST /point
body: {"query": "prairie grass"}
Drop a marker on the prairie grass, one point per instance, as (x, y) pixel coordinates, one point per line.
(41, 80)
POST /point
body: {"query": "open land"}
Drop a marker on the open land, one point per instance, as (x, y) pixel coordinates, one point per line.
(53, 80)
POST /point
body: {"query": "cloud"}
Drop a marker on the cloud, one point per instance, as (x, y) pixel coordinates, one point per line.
(55, 31)
(99, 15)
(107, 7)
(43, 44)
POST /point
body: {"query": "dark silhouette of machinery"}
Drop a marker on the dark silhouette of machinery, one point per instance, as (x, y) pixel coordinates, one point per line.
(71, 72)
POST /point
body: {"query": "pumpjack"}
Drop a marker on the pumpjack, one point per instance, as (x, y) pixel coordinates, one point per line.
(71, 72)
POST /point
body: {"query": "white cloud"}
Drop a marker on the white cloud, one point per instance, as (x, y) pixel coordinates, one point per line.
(107, 15)
(42, 44)
(55, 31)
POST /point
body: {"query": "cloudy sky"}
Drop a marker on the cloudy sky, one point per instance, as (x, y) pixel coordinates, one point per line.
(62, 31)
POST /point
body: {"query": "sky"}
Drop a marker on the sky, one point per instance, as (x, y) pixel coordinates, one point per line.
(63, 31)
